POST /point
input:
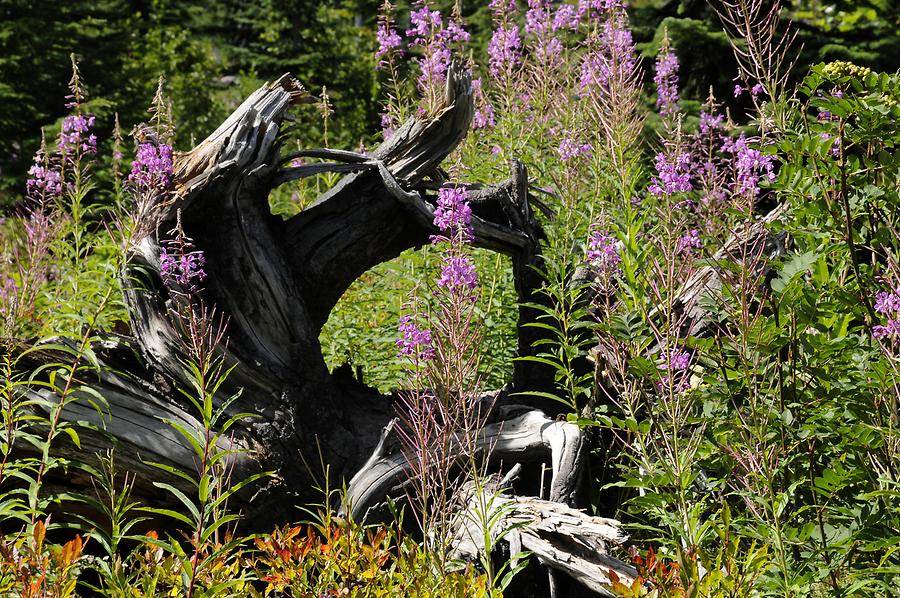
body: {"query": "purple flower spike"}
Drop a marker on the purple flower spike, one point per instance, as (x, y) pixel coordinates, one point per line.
(570, 149)
(152, 168)
(458, 274)
(43, 182)
(677, 363)
(388, 40)
(414, 342)
(453, 214)
(673, 175)
(603, 252)
(751, 166)
(76, 136)
(429, 33)
(484, 112)
(710, 122)
(616, 58)
(566, 17)
(690, 242)
(666, 79)
(505, 49)
(887, 303)
(180, 267)
(424, 21)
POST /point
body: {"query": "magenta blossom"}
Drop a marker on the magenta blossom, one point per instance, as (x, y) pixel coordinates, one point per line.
(603, 251)
(505, 49)
(453, 214)
(502, 8)
(887, 303)
(425, 23)
(710, 122)
(414, 342)
(538, 22)
(152, 168)
(458, 274)
(614, 60)
(180, 267)
(76, 136)
(566, 17)
(570, 148)
(751, 165)
(673, 174)
(43, 182)
(429, 33)
(690, 242)
(600, 7)
(666, 79)
(676, 363)
(388, 41)
(484, 112)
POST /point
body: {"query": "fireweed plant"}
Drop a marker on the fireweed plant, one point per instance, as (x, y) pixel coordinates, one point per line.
(442, 411)
(208, 524)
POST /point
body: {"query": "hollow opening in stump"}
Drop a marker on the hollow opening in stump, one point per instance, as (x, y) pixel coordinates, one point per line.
(377, 299)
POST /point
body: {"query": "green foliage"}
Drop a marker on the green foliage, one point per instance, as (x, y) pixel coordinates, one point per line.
(788, 416)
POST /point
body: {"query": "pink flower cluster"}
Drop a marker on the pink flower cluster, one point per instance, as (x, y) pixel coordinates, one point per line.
(673, 174)
(453, 214)
(676, 363)
(184, 268)
(690, 242)
(615, 59)
(754, 91)
(76, 136)
(539, 23)
(504, 49)
(458, 278)
(567, 17)
(429, 33)
(388, 40)
(43, 182)
(666, 79)
(458, 274)
(570, 149)
(603, 251)
(888, 304)
(709, 123)
(152, 168)
(414, 342)
(484, 112)
(454, 217)
(751, 165)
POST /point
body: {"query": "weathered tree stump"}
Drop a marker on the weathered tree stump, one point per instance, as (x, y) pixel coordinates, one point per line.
(276, 282)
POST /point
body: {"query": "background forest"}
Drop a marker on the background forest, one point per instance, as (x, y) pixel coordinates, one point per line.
(748, 441)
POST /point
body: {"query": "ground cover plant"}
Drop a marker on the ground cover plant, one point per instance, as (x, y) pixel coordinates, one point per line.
(716, 307)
